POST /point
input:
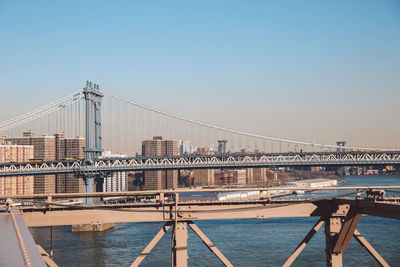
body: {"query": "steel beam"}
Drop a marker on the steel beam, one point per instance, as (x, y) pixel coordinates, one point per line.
(385, 209)
(179, 254)
(346, 231)
(152, 244)
(49, 217)
(210, 244)
(364, 243)
(211, 190)
(332, 229)
(303, 243)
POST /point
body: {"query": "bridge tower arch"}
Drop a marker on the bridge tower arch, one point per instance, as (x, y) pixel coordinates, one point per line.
(93, 98)
(93, 147)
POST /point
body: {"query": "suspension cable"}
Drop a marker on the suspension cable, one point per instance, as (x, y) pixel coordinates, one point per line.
(239, 132)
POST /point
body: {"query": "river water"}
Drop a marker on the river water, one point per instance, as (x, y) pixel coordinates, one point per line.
(247, 242)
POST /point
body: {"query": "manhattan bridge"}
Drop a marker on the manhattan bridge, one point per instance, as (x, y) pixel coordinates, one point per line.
(110, 122)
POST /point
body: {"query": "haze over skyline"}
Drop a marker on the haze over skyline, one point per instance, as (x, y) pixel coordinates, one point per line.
(303, 70)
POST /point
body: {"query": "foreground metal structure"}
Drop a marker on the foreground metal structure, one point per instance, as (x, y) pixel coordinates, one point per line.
(236, 160)
(340, 216)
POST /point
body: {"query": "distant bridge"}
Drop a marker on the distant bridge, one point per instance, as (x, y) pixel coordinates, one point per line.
(128, 123)
(217, 161)
(120, 125)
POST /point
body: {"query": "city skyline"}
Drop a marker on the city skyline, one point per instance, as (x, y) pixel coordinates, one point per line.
(319, 72)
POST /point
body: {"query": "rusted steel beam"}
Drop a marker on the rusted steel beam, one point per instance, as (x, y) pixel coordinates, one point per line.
(72, 217)
(346, 231)
(383, 209)
(210, 244)
(152, 244)
(153, 214)
(364, 243)
(303, 243)
(46, 257)
(179, 245)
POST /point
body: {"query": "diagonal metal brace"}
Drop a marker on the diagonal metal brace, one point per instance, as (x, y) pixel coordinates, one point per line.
(363, 242)
(152, 244)
(303, 243)
(346, 231)
(209, 244)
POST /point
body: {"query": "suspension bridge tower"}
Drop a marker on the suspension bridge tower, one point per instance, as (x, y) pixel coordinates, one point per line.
(92, 148)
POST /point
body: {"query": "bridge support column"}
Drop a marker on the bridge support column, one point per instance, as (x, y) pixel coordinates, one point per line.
(332, 229)
(89, 188)
(179, 245)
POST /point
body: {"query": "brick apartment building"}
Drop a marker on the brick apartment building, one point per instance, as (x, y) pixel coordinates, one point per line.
(156, 180)
(47, 148)
(16, 185)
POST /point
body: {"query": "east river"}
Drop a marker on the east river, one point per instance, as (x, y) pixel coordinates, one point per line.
(247, 242)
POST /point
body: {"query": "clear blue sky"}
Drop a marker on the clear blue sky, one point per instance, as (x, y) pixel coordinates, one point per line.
(305, 70)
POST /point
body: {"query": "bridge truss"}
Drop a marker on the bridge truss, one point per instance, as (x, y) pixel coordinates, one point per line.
(217, 161)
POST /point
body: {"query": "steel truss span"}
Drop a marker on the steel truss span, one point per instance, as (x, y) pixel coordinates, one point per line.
(217, 161)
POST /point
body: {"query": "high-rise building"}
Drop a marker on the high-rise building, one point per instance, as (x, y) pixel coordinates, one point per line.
(68, 148)
(43, 150)
(47, 148)
(16, 185)
(185, 147)
(156, 180)
(115, 181)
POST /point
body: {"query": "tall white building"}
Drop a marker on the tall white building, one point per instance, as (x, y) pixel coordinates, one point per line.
(116, 181)
(185, 147)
